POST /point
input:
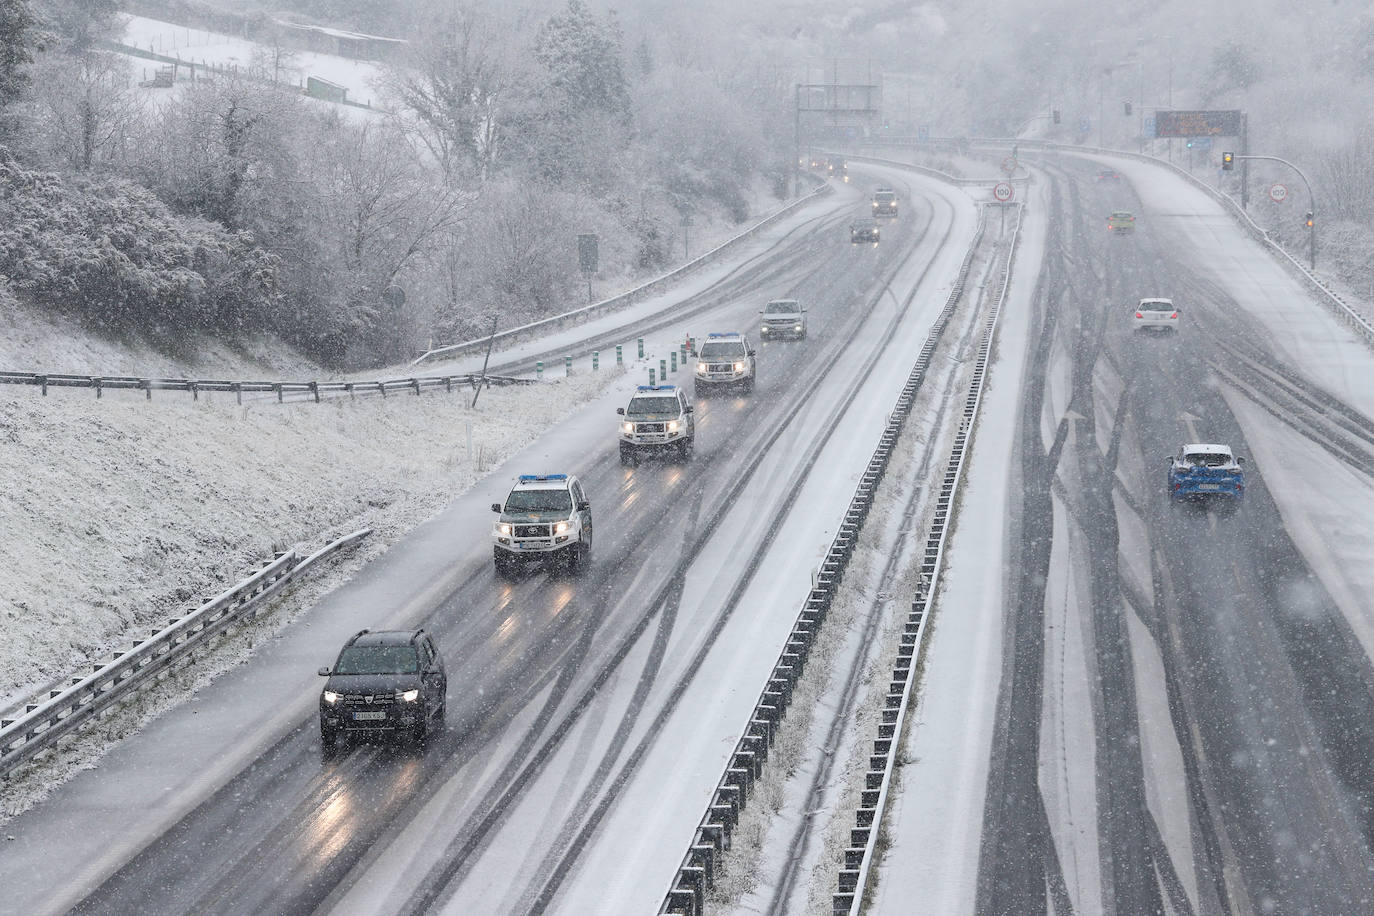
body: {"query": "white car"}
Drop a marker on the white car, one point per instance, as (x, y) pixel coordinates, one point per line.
(783, 318)
(725, 360)
(1155, 315)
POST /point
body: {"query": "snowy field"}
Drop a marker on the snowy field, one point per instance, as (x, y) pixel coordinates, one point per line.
(202, 48)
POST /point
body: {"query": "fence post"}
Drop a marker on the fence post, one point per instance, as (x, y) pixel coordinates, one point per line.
(567, 365)
(641, 348)
(596, 360)
(619, 355)
(538, 370)
(673, 360)
(651, 376)
(663, 369)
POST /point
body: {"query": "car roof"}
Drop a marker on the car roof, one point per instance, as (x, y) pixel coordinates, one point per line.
(1204, 448)
(883, 191)
(542, 482)
(782, 302)
(1156, 299)
(655, 389)
(1121, 213)
(384, 637)
(725, 335)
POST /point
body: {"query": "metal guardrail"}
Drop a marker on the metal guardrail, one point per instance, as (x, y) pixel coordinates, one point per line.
(860, 855)
(543, 325)
(45, 721)
(712, 839)
(101, 383)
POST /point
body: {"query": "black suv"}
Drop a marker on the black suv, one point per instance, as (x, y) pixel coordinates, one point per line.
(388, 682)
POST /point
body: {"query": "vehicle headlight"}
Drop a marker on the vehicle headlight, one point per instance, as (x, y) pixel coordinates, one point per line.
(629, 429)
(701, 368)
(799, 327)
(560, 527)
(503, 529)
(330, 697)
(764, 329)
(410, 696)
(739, 367)
(672, 426)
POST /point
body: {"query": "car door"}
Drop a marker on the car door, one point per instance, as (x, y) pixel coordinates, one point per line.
(584, 507)
(687, 417)
(434, 678)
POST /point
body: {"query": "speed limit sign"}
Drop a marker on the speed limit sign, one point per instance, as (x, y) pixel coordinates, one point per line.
(1278, 193)
(1001, 192)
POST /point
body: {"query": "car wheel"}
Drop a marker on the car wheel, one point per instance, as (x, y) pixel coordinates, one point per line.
(579, 556)
(685, 448)
(329, 740)
(504, 567)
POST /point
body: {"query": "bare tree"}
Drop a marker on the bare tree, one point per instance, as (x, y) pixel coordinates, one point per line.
(83, 105)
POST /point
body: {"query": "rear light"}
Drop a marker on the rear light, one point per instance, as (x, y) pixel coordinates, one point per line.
(1174, 315)
(1138, 315)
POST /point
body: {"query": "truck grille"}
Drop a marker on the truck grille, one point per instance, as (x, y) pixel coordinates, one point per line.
(532, 531)
(648, 427)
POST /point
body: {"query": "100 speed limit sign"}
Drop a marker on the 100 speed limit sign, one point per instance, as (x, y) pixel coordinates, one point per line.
(1278, 193)
(1001, 192)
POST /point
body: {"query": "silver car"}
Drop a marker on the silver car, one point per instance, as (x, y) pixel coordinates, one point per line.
(1155, 315)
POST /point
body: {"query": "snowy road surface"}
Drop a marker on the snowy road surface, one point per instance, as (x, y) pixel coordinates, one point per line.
(1127, 705)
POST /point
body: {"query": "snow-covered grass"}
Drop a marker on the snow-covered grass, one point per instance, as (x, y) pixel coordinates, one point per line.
(119, 510)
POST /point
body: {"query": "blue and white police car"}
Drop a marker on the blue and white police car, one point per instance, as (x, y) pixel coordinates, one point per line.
(546, 517)
(657, 419)
(725, 360)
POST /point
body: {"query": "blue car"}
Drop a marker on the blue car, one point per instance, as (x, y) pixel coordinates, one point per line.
(1206, 471)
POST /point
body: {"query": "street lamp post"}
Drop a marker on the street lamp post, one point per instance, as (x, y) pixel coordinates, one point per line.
(1311, 203)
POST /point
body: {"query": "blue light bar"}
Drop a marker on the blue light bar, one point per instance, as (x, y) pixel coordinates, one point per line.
(655, 387)
(723, 334)
(543, 476)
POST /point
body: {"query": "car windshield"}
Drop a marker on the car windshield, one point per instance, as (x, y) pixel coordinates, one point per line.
(884, 196)
(1121, 214)
(651, 406)
(781, 307)
(539, 501)
(1155, 305)
(1207, 459)
(378, 660)
(864, 224)
(722, 349)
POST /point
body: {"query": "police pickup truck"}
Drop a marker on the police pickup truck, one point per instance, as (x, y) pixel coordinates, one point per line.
(545, 517)
(657, 419)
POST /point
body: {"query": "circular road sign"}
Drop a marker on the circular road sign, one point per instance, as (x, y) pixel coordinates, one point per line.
(1278, 193)
(1009, 164)
(1001, 192)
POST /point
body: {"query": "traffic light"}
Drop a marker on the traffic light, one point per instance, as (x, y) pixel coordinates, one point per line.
(1055, 112)
(1128, 107)
(1228, 161)
(1308, 219)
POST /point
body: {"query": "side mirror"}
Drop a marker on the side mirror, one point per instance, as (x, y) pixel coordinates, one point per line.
(751, 352)
(690, 408)
(583, 506)
(325, 672)
(1239, 460)
(496, 507)
(620, 410)
(760, 311)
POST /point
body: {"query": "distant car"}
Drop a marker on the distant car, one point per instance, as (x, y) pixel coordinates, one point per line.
(725, 360)
(390, 682)
(1121, 221)
(838, 169)
(863, 230)
(1155, 315)
(1206, 471)
(657, 419)
(884, 202)
(1109, 175)
(545, 517)
(783, 318)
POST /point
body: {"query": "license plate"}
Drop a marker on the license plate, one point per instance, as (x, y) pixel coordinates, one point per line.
(529, 545)
(1209, 486)
(369, 716)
